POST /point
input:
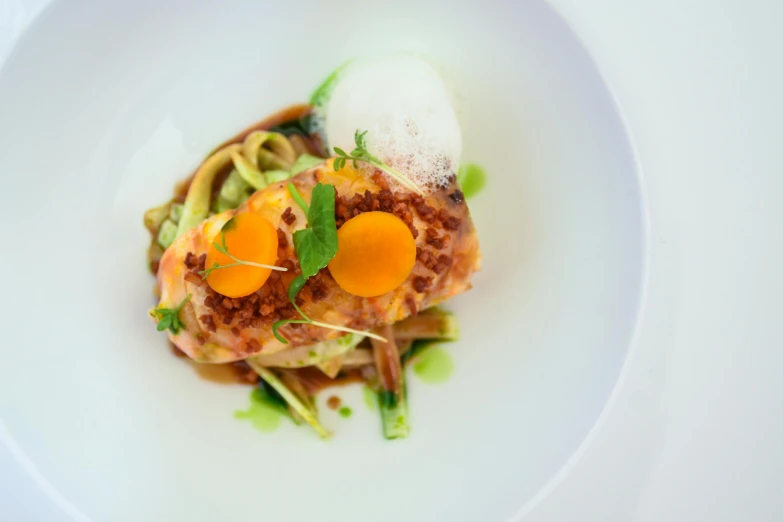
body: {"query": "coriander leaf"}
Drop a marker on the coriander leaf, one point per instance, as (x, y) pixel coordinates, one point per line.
(316, 245)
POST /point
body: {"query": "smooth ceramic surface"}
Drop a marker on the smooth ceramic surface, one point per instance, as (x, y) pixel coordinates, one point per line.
(113, 102)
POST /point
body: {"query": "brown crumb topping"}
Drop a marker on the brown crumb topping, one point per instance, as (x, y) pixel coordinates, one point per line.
(270, 303)
(436, 240)
(288, 216)
(191, 260)
(401, 205)
(261, 308)
(421, 284)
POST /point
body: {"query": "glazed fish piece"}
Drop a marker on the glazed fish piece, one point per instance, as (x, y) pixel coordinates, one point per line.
(218, 329)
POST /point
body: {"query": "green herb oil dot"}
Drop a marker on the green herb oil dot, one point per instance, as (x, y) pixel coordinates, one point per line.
(434, 365)
(472, 179)
(263, 415)
(345, 412)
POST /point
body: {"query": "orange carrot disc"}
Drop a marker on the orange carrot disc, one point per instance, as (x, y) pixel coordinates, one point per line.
(375, 254)
(248, 237)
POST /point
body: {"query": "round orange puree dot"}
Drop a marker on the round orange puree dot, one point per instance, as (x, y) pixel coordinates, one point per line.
(248, 237)
(375, 253)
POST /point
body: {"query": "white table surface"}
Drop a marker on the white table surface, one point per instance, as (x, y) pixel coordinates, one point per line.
(695, 430)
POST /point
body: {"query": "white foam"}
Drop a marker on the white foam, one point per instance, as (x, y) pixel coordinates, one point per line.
(406, 107)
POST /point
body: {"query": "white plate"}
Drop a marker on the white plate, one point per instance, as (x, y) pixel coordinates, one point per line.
(110, 103)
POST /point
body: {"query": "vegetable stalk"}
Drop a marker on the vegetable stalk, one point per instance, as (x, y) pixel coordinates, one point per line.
(391, 380)
(290, 397)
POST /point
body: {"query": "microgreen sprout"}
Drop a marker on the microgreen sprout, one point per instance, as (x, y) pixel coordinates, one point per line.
(360, 153)
(168, 318)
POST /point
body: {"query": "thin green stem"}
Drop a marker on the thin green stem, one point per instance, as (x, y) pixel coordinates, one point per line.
(182, 303)
(348, 330)
(257, 265)
(298, 198)
(396, 174)
(223, 250)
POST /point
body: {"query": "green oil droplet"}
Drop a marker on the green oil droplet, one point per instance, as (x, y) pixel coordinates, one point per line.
(345, 411)
(433, 365)
(264, 415)
(472, 179)
(370, 398)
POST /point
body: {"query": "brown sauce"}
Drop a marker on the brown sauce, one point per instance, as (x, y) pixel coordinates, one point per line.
(313, 379)
(294, 112)
(218, 373)
(230, 373)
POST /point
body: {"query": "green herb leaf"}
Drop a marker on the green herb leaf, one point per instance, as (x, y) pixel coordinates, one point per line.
(168, 318)
(360, 140)
(316, 245)
(164, 323)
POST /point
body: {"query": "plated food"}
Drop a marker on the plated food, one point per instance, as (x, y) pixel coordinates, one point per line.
(304, 265)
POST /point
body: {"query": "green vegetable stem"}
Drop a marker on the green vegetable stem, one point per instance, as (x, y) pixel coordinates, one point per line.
(392, 397)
